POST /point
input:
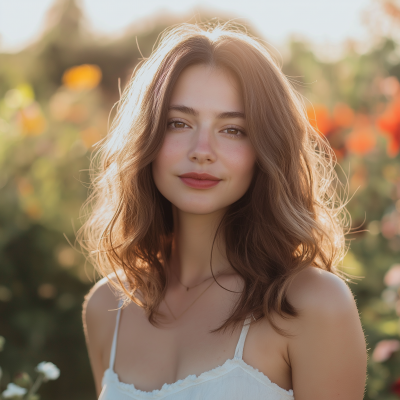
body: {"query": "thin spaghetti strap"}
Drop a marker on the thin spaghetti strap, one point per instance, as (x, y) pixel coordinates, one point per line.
(242, 338)
(114, 342)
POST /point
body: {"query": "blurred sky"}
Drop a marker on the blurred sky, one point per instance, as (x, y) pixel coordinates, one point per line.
(327, 23)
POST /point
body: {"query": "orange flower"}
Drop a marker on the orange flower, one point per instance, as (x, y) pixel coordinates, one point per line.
(82, 77)
(31, 120)
(389, 123)
(320, 119)
(362, 139)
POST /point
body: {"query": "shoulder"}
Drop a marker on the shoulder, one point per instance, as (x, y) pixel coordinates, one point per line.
(99, 313)
(98, 309)
(327, 349)
(315, 291)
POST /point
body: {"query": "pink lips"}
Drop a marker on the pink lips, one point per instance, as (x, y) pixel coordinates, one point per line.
(199, 181)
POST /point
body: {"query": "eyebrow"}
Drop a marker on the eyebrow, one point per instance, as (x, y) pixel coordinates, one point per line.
(192, 111)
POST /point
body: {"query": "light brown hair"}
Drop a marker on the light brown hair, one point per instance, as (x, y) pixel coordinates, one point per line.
(290, 218)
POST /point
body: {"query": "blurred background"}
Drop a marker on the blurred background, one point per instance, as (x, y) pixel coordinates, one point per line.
(61, 63)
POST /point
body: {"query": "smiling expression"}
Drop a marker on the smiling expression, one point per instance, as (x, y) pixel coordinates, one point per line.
(206, 161)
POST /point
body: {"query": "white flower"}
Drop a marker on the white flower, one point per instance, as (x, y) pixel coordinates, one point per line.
(49, 370)
(13, 390)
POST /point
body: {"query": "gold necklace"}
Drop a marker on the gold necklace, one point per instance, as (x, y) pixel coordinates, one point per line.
(175, 318)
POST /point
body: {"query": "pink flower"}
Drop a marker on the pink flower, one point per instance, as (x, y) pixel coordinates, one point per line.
(392, 277)
(384, 349)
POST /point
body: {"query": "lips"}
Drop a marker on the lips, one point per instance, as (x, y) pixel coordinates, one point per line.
(203, 176)
(199, 181)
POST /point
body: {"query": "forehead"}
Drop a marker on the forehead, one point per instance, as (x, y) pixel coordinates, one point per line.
(205, 87)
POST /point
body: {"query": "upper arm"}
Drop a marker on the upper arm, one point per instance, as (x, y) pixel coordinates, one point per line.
(98, 325)
(327, 352)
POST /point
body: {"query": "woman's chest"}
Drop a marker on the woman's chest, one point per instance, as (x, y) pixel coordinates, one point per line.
(149, 356)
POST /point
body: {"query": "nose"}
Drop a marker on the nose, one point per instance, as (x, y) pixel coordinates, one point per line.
(202, 147)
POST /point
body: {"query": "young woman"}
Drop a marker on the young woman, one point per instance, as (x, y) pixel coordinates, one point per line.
(216, 226)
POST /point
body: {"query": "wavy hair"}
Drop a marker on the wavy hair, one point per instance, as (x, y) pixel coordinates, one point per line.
(291, 217)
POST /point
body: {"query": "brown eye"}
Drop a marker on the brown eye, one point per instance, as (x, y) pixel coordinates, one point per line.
(233, 131)
(177, 124)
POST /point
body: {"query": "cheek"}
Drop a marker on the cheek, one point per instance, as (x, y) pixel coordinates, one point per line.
(241, 162)
(168, 156)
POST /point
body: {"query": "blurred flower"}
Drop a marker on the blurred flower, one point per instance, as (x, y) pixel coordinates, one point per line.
(23, 379)
(31, 120)
(331, 126)
(49, 370)
(90, 136)
(319, 118)
(390, 225)
(389, 123)
(392, 9)
(384, 349)
(392, 276)
(82, 77)
(13, 390)
(362, 139)
(396, 387)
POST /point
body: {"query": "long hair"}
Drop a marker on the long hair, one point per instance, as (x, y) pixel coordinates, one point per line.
(291, 217)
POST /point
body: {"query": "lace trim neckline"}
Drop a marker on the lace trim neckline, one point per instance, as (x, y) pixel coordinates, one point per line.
(192, 380)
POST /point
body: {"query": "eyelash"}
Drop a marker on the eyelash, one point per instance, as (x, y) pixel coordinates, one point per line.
(229, 127)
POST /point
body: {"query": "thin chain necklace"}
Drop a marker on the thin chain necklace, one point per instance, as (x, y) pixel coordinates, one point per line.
(187, 287)
(173, 315)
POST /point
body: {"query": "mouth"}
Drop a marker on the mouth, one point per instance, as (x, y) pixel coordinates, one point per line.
(199, 181)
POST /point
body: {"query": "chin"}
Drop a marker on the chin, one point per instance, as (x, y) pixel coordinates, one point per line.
(199, 208)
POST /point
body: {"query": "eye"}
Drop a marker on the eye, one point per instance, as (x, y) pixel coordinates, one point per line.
(233, 131)
(177, 125)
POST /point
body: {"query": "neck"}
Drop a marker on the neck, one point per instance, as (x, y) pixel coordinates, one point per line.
(192, 245)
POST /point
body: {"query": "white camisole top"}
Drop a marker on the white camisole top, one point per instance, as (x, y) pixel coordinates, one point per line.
(233, 380)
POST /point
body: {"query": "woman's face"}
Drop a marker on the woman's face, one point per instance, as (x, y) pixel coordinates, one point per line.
(205, 134)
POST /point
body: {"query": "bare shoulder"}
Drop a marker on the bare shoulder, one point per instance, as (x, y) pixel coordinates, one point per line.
(327, 349)
(100, 300)
(315, 291)
(99, 318)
